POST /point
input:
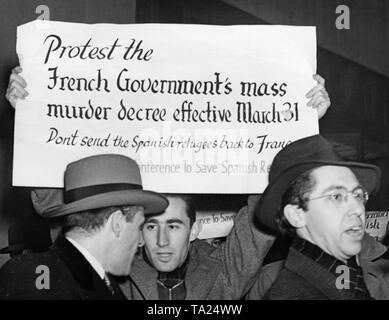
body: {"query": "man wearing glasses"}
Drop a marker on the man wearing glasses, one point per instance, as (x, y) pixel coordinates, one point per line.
(319, 199)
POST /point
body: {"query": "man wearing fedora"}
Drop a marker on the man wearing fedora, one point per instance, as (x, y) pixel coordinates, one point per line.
(319, 199)
(101, 215)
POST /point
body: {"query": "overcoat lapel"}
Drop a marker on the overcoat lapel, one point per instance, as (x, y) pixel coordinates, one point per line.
(373, 271)
(317, 276)
(90, 285)
(201, 275)
(145, 277)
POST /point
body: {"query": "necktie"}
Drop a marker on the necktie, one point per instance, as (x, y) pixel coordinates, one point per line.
(109, 284)
(358, 283)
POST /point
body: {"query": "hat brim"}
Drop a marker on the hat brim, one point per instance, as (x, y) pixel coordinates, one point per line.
(13, 248)
(152, 202)
(369, 176)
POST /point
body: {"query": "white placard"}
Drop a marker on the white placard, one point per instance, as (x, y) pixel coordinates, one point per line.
(202, 109)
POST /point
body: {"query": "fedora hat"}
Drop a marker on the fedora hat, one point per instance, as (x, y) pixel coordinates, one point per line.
(44, 199)
(17, 241)
(295, 159)
(97, 182)
(28, 234)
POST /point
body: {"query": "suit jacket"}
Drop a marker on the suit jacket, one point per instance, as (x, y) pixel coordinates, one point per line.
(226, 272)
(300, 278)
(70, 275)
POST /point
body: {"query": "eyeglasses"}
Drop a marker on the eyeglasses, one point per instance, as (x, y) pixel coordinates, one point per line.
(340, 196)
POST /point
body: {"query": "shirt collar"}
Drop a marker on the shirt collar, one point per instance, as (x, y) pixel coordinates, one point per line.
(96, 265)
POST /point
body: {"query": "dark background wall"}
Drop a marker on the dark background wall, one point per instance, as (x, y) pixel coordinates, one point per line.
(369, 25)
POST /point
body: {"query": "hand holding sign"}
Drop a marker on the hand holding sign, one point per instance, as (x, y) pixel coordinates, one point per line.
(320, 99)
(16, 87)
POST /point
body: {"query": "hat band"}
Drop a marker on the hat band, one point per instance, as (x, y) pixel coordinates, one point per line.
(84, 192)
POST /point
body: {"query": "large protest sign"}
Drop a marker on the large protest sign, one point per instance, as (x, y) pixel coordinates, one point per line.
(202, 109)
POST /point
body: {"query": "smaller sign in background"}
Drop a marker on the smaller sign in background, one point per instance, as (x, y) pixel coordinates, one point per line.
(215, 224)
(377, 224)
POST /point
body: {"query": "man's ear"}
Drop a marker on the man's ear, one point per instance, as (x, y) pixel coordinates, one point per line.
(115, 222)
(195, 231)
(295, 216)
(141, 241)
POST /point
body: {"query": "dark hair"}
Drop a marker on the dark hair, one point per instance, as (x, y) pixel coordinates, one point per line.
(190, 205)
(297, 194)
(93, 220)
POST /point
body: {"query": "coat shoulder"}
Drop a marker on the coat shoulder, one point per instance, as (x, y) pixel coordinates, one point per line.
(201, 249)
(34, 276)
(291, 286)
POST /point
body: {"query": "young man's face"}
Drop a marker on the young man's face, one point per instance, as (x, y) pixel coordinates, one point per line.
(337, 227)
(167, 236)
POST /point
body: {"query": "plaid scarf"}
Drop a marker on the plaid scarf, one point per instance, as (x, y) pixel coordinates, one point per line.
(354, 282)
